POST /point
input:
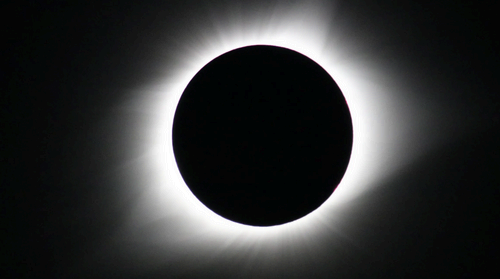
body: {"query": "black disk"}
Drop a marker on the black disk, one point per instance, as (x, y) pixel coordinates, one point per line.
(262, 135)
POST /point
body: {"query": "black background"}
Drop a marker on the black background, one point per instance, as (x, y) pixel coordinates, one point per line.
(67, 64)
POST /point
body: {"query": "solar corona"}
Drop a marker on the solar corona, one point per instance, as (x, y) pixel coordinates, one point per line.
(317, 126)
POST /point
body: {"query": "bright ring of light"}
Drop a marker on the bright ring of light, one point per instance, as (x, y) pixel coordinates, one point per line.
(372, 103)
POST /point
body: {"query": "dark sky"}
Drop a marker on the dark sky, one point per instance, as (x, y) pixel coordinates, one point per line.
(69, 65)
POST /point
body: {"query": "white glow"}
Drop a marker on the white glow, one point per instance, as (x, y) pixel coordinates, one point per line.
(379, 117)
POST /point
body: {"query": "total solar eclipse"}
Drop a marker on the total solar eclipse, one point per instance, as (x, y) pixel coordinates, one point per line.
(262, 135)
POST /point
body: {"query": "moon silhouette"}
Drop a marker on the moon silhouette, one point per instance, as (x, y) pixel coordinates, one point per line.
(262, 135)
